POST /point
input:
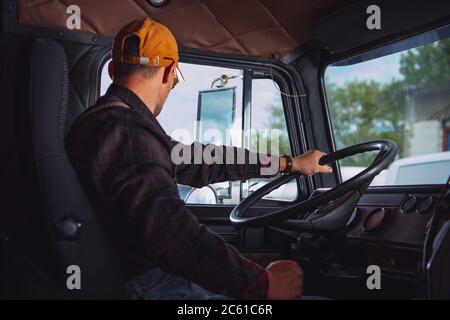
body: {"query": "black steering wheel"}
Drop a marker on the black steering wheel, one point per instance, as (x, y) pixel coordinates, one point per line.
(328, 211)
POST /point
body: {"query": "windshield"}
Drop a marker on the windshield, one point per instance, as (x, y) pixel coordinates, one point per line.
(402, 93)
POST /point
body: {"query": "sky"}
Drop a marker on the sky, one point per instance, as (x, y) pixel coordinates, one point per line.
(376, 70)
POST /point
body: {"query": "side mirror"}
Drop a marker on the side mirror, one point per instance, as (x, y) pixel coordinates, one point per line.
(215, 117)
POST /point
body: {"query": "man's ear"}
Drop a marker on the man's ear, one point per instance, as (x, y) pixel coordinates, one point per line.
(167, 72)
(111, 70)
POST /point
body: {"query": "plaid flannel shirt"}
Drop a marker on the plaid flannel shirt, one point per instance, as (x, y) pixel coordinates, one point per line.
(122, 158)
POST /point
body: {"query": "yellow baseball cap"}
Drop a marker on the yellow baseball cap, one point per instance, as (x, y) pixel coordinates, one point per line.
(157, 45)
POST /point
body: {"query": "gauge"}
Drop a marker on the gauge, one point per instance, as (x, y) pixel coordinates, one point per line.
(425, 205)
(409, 204)
(374, 220)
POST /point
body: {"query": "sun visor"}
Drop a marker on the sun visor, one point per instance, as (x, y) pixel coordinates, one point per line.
(366, 22)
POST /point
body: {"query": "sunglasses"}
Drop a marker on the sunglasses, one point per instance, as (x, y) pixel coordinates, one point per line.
(178, 77)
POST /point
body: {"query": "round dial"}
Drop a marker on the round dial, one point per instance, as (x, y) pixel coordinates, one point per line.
(374, 220)
(409, 204)
(425, 205)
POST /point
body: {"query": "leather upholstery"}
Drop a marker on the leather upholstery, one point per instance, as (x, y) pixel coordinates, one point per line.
(250, 27)
(83, 79)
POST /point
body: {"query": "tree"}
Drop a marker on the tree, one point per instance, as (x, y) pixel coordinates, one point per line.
(363, 111)
(428, 64)
(276, 121)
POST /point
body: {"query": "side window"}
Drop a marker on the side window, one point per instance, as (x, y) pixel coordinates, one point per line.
(206, 108)
(269, 129)
(399, 92)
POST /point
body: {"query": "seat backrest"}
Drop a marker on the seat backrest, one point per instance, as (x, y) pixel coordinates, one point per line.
(80, 242)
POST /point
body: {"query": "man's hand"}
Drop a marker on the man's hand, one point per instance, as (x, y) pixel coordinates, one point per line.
(285, 280)
(307, 164)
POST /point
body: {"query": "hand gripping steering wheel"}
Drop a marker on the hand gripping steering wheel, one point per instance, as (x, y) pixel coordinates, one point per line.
(329, 211)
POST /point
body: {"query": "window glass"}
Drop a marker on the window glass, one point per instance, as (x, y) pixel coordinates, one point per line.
(403, 96)
(268, 123)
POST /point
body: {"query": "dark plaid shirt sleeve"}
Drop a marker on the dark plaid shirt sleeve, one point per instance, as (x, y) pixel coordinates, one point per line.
(226, 166)
(122, 163)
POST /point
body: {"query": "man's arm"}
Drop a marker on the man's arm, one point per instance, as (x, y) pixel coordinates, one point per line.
(199, 165)
(172, 238)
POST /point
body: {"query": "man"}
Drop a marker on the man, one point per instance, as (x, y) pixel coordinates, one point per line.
(123, 159)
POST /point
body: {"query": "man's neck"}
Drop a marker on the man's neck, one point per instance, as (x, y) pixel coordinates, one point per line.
(145, 90)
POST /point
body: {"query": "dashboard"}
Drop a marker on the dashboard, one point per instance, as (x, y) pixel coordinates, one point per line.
(390, 224)
(388, 229)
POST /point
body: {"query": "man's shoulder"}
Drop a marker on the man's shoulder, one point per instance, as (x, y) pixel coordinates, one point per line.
(103, 123)
(107, 115)
(113, 111)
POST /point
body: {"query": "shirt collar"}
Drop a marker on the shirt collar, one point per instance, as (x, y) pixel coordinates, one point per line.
(132, 100)
(129, 97)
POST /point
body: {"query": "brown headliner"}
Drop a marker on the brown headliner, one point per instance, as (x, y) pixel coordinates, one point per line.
(249, 27)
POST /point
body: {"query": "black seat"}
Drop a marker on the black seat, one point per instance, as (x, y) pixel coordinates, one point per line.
(77, 237)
